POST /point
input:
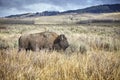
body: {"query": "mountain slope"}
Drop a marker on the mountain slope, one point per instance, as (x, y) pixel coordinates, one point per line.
(45, 13)
(97, 9)
(94, 9)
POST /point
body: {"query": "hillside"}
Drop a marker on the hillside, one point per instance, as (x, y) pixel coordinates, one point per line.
(83, 18)
(94, 9)
(97, 9)
(37, 14)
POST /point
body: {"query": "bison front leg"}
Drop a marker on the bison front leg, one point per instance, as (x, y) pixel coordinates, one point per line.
(35, 48)
(21, 49)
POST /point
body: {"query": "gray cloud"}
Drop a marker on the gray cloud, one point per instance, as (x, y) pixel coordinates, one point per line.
(8, 7)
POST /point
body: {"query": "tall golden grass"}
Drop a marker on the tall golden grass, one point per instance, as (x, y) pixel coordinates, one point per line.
(44, 65)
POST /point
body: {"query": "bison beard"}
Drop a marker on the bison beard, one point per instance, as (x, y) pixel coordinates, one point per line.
(43, 40)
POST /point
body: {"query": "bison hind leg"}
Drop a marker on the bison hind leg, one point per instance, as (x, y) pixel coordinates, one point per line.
(20, 49)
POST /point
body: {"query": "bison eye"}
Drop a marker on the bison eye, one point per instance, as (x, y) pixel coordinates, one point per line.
(62, 37)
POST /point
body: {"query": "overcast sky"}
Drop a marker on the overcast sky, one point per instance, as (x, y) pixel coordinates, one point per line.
(11, 7)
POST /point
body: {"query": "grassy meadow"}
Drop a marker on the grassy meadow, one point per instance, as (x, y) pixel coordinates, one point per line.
(93, 54)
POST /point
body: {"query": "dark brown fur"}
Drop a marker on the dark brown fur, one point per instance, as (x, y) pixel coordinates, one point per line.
(43, 40)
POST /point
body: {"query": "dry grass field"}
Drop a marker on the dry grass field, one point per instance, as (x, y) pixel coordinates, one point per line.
(93, 54)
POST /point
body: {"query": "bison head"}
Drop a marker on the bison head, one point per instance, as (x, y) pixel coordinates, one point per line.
(61, 42)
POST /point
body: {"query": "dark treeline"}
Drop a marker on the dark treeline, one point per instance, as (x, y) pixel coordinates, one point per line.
(98, 21)
(16, 21)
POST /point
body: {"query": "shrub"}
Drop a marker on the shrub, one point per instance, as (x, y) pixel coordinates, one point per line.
(77, 48)
(3, 44)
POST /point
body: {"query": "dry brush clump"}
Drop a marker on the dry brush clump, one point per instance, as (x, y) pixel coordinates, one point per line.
(81, 38)
(84, 42)
(3, 44)
(8, 42)
(45, 65)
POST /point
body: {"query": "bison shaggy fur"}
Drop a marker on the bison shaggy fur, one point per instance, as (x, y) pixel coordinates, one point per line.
(43, 40)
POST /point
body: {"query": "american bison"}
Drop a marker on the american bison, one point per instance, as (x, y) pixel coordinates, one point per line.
(43, 40)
